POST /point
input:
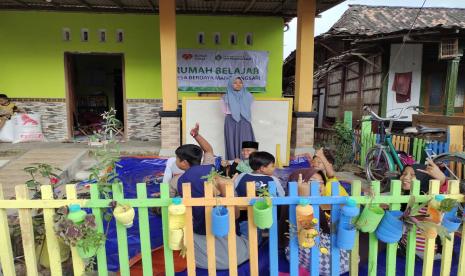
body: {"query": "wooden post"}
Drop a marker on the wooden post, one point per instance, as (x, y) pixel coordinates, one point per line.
(168, 55)
(451, 86)
(348, 119)
(306, 10)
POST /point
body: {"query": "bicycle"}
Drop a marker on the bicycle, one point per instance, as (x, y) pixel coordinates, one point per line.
(383, 162)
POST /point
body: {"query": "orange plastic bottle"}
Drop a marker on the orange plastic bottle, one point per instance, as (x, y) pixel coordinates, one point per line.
(304, 214)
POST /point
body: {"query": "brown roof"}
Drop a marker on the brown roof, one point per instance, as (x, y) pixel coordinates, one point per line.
(283, 8)
(360, 20)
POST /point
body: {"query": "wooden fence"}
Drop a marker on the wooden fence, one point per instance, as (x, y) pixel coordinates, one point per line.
(25, 206)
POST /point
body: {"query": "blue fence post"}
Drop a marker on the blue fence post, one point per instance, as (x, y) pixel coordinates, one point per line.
(315, 251)
(335, 252)
(293, 242)
(273, 234)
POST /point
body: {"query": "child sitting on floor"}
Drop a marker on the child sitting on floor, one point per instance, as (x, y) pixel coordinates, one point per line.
(188, 158)
(238, 165)
(263, 166)
(173, 171)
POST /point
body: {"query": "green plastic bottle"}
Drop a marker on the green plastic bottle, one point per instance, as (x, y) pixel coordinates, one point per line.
(75, 214)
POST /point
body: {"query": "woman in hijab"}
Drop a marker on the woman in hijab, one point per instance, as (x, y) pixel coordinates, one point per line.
(237, 122)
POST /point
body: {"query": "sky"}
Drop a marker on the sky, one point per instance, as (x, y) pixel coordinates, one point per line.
(329, 17)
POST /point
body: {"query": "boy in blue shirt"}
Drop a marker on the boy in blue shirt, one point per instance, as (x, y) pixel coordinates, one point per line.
(263, 166)
(189, 158)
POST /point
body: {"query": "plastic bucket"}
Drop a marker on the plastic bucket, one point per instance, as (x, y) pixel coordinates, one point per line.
(345, 236)
(220, 221)
(452, 224)
(369, 219)
(262, 215)
(390, 228)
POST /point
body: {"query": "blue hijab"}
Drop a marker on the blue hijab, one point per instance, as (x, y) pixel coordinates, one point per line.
(239, 102)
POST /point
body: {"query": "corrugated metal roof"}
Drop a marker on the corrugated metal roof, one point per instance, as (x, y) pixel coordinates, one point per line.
(283, 8)
(376, 20)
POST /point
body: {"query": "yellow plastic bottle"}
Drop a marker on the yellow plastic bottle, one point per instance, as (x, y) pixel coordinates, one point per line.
(304, 214)
(176, 224)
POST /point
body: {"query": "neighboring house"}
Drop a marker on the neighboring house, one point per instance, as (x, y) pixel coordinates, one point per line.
(388, 58)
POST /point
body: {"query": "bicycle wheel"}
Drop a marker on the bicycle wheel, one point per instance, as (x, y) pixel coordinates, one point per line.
(452, 163)
(378, 166)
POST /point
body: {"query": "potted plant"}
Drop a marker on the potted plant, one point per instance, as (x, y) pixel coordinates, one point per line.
(220, 221)
(84, 235)
(413, 217)
(390, 228)
(448, 208)
(124, 214)
(262, 210)
(306, 234)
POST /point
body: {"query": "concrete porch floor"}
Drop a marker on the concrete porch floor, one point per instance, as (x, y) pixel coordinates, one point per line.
(66, 156)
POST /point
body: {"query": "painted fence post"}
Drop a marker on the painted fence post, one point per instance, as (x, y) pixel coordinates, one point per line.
(144, 230)
(365, 137)
(274, 261)
(123, 255)
(428, 258)
(52, 240)
(189, 234)
(354, 254)
(391, 252)
(211, 257)
(348, 119)
(412, 237)
(372, 240)
(101, 252)
(293, 243)
(335, 252)
(315, 251)
(168, 253)
(27, 232)
(6, 254)
(448, 245)
(232, 253)
(78, 263)
(253, 250)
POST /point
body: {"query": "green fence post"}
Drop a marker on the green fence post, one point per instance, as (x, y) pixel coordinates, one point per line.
(348, 119)
(123, 253)
(372, 240)
(391, 253)
(144, 230)
(101, 252)
(412, 237)
(365, 139)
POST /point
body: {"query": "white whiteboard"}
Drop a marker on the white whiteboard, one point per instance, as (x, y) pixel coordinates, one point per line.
(271, 122)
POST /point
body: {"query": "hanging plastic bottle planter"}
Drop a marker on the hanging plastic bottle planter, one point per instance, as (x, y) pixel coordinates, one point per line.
(263, 214)
(220, 221)
(176, 224)
(124, 214)
(450, 221)
(346, 230)
(391, 227)
(369, 219)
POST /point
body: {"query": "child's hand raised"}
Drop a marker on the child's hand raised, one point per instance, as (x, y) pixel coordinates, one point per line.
(434, 171)
(195, 131)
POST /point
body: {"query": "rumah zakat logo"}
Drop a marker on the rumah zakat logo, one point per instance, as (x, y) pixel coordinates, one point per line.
(187, 56)
(28, 120)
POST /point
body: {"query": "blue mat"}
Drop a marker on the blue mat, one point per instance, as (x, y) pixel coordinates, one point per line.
(150, 170)
(133, 171)
(400, 263)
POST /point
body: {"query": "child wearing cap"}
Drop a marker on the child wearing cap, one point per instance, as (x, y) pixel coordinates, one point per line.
(238, 165)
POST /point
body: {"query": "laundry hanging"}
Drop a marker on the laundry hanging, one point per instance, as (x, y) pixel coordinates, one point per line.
(402, 86)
